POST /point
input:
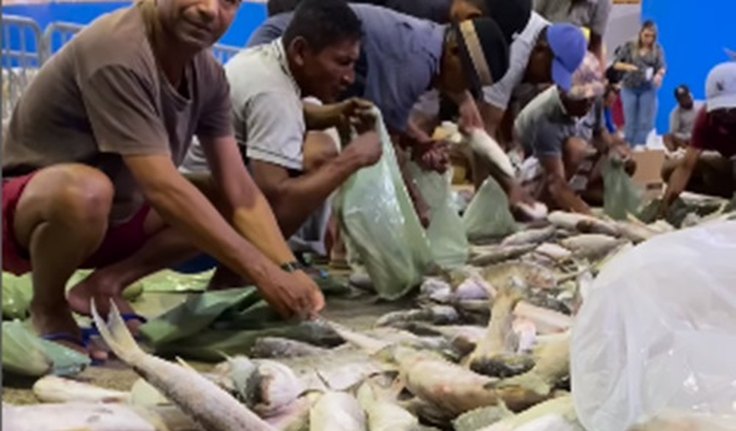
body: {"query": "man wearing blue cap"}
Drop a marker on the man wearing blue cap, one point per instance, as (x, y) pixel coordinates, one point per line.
(566, 135)
(714, 131)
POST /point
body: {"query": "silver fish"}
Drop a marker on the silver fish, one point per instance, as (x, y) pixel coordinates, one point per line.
(276, 347)
(482, 256)
(337, 411)
(206, 403)
(531, 236)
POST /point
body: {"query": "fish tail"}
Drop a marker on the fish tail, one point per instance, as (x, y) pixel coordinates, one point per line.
(116, 333)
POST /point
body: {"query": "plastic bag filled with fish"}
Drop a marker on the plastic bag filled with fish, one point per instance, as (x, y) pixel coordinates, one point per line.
(447, 238)
(376, 212)
(620, 195)
(488, 214)
(657, 331)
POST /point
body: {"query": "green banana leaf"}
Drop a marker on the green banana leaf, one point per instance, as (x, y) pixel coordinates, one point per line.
(229, 322)
(17, 295)
(25, 354)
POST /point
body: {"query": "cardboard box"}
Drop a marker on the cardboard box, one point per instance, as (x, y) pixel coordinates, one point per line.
(649, 168)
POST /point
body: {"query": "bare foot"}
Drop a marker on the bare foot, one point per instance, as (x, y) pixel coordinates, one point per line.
(58, 321)
(102, 290)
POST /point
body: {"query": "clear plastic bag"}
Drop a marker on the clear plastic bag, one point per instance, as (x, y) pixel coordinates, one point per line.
(446, 235)
(376, 213)
(620, 195)
(488, 214)
(657, 332)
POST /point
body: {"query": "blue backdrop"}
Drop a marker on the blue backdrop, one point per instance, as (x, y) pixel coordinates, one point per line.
(694, 34)
(249, 16)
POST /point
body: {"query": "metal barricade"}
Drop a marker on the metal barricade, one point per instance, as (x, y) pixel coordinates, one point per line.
(223, 53)
(57, 34)
(23, 53)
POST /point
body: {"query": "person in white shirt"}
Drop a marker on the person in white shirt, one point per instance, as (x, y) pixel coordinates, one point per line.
(682, 119)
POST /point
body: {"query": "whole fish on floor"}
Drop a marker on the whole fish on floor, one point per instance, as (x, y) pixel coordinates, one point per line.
(337, 411)
(495, 354)
(206, 403)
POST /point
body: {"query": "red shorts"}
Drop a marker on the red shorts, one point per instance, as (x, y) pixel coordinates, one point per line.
(119, 243)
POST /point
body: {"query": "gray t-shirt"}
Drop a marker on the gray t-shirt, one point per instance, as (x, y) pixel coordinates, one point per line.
(683, 120)
(267, 110)
(592, 14)
(543, 126)
(403, 56)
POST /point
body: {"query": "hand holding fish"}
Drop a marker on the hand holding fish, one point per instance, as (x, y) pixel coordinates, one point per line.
(292, 294)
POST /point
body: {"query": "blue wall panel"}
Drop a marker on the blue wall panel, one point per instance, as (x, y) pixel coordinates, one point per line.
(694, 34)
(247, 20)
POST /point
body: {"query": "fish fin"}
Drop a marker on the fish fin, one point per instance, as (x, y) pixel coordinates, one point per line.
(116, 333)
(185, 364)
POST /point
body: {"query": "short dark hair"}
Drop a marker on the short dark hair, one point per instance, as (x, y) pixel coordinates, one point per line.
(275, 7)
(681, 90)
(323, 23)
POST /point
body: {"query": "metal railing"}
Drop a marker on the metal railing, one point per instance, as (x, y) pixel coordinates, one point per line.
(23, 53)
(25, 48)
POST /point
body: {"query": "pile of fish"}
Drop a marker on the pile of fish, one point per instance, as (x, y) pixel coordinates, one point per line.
(485, 349)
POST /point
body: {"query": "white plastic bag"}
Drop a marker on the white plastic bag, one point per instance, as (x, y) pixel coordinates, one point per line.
(658, 332)
(378, 217)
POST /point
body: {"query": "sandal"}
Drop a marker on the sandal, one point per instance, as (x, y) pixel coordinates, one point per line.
(69, 338)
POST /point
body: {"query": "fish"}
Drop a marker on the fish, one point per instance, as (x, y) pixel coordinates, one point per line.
(474, 420)
(53, 389)
(74, 416)
(546, 321)
(528, 273)
(553, 251)
(531, 236)
(554, 415)
(487, 147)
(552, 365)
(636, 232)
(591, 246)
(263, 385)
(439, 315)
(581, 223)
(382, 410)
(206, 403)
(495, 355)
(277, 347)
(488, 255)
(294, 417)
(449, 387)
(337, 411)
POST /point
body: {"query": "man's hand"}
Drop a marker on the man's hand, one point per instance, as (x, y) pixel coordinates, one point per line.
(352, 112)
(432, 155)
(366, 149)
(292, 295)
(622, 151)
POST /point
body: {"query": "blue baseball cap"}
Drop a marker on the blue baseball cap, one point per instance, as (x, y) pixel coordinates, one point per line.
(568, 46)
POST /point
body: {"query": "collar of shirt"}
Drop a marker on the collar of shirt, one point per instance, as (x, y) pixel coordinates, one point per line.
(280, 51)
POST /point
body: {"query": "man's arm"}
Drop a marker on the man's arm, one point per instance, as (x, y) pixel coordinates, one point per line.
(560, 191)
(294, 199)
(681, 176)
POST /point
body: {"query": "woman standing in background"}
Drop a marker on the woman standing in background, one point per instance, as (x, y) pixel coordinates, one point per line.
(643, 64)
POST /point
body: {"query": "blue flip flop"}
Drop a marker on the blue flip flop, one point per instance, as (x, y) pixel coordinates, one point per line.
(92, 331)
(69, 338)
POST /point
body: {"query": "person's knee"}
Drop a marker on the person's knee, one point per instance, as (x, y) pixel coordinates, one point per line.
(75, 193)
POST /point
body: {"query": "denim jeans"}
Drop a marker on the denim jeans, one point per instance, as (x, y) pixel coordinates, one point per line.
(640, 110)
